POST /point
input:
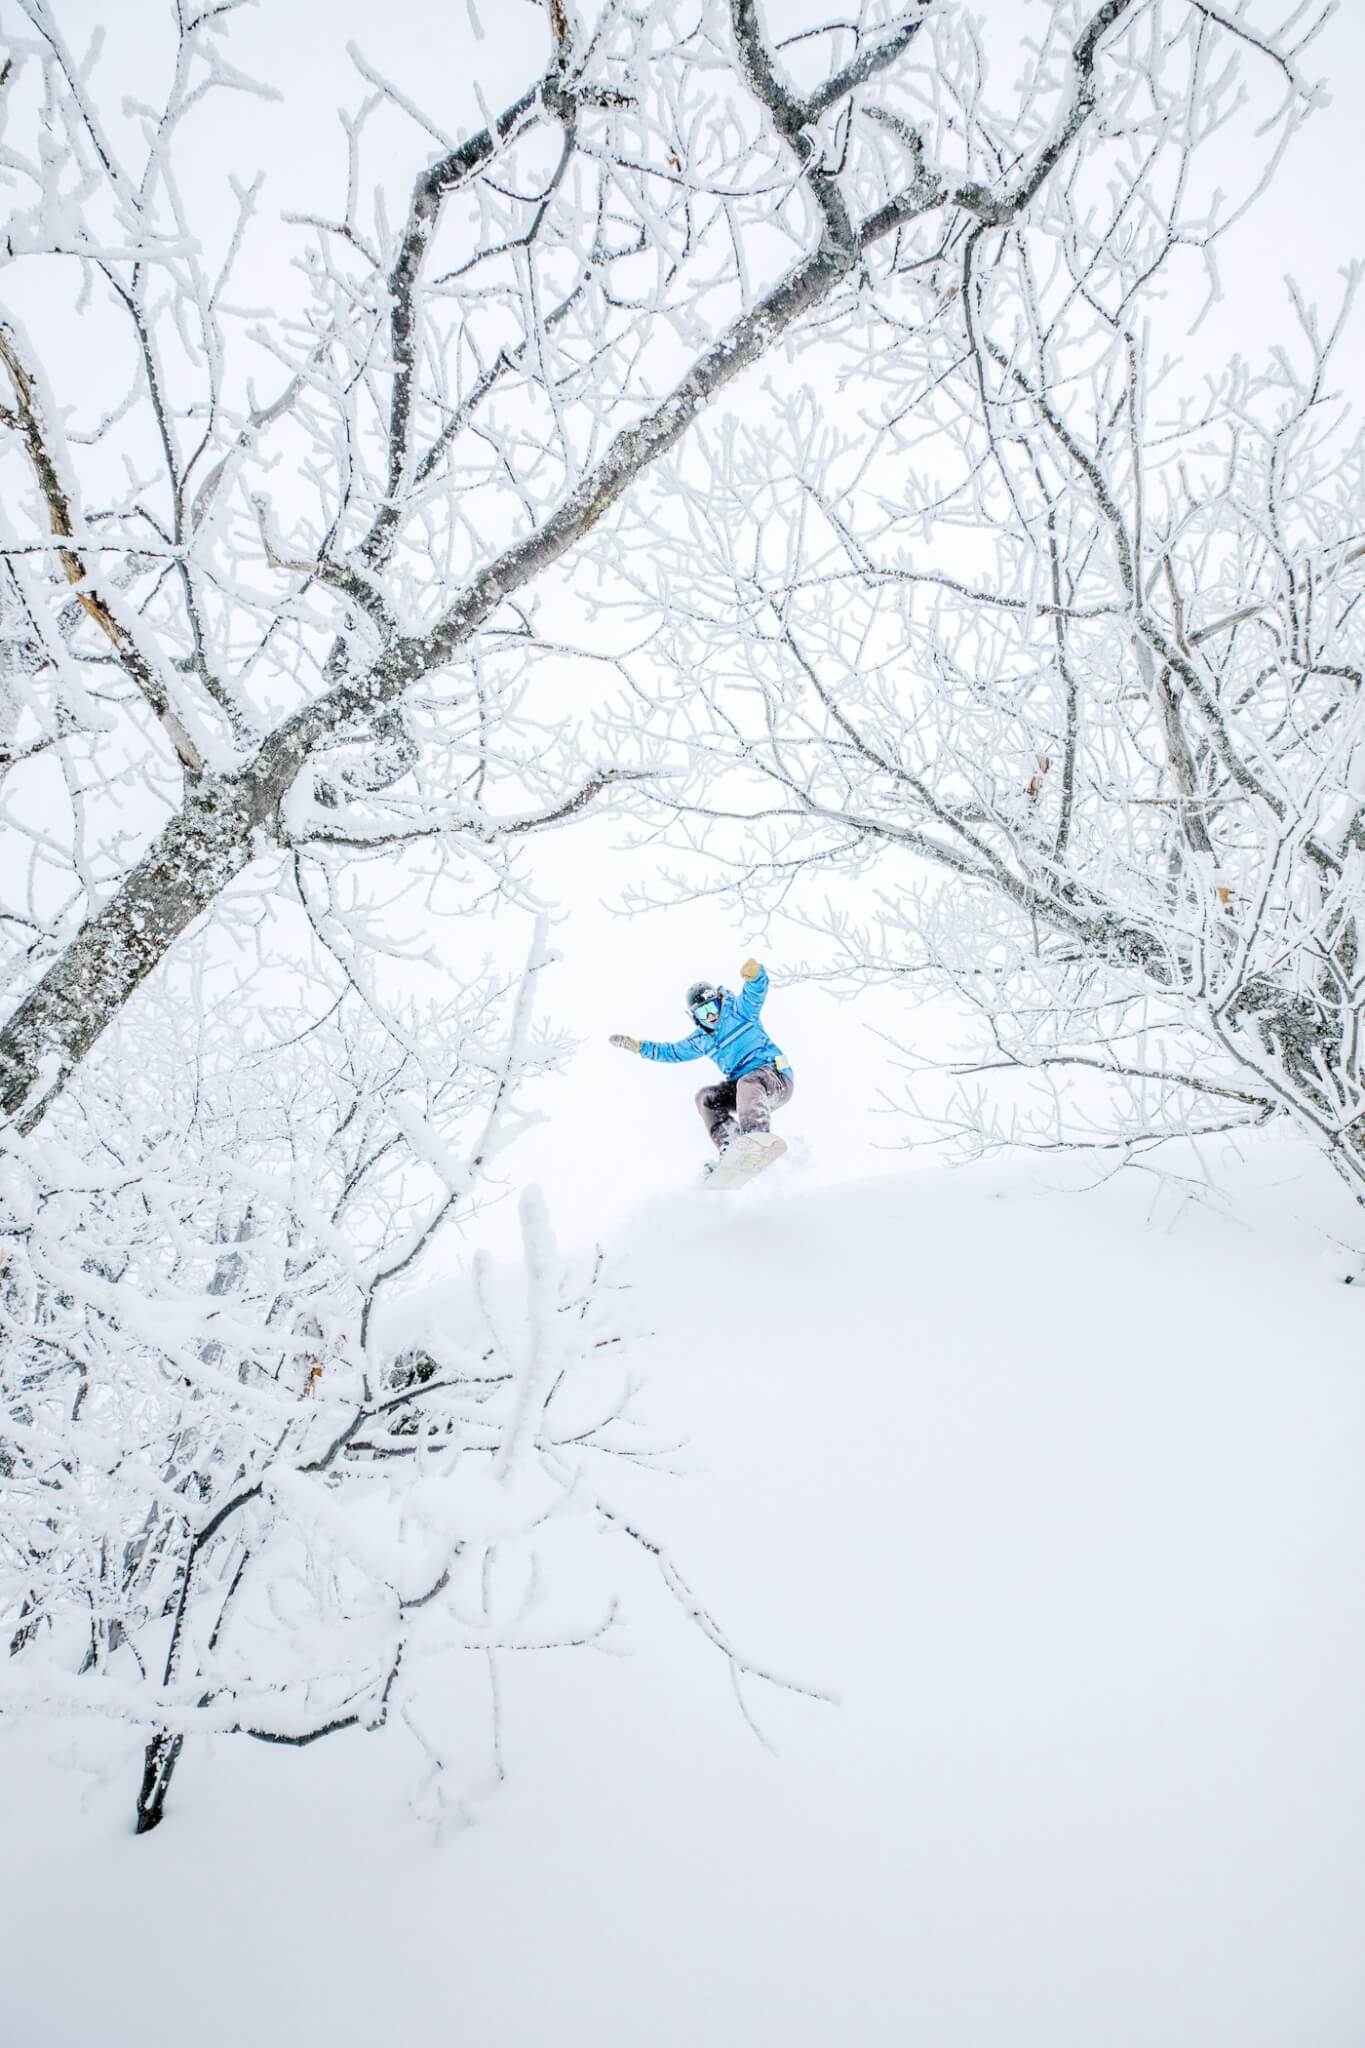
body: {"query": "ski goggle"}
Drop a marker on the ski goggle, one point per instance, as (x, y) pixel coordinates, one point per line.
(707, 1011)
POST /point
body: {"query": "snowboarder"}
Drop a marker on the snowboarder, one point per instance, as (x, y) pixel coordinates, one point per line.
(757, 1080)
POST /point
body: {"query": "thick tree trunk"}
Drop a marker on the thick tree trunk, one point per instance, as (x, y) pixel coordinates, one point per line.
(203, 848)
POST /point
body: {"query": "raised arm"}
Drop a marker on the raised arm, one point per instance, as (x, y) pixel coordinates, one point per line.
(755, 978)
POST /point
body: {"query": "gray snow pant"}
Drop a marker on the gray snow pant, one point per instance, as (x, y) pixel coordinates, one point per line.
(744, 1105)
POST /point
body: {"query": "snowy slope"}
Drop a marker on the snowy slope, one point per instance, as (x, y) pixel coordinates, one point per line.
(1063, 1491)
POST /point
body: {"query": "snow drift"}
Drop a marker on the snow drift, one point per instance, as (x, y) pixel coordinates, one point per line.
(1060, 1487)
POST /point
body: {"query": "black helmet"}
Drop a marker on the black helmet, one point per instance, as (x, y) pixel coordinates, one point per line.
(699, 993)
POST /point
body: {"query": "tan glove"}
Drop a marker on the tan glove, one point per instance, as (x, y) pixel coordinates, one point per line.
(626, 1044)
(751, 970)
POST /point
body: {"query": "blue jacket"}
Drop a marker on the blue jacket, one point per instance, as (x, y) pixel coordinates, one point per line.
(738, 1045)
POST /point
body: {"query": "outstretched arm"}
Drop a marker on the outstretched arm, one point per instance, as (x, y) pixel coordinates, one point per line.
(694, 1047)
(755, 987)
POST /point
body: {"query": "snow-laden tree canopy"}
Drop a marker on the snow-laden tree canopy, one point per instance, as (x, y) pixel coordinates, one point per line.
(750, 422)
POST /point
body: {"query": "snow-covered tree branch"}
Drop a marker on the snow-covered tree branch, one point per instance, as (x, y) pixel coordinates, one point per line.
(1053, 626)
(263, 568)
(264, 1470)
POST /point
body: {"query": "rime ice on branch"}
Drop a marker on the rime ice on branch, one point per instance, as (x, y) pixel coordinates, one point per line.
(311, 612)
(1044, 624)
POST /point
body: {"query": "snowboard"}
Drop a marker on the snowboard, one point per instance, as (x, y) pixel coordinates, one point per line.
(743, 1158)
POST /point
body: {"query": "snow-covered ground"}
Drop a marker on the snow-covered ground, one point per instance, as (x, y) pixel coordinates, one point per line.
(1063, 1491)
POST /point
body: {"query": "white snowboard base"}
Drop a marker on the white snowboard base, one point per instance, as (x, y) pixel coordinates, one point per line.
(744, 1157)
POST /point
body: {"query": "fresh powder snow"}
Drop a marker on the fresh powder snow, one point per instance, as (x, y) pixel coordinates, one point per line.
(1057, 1486)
